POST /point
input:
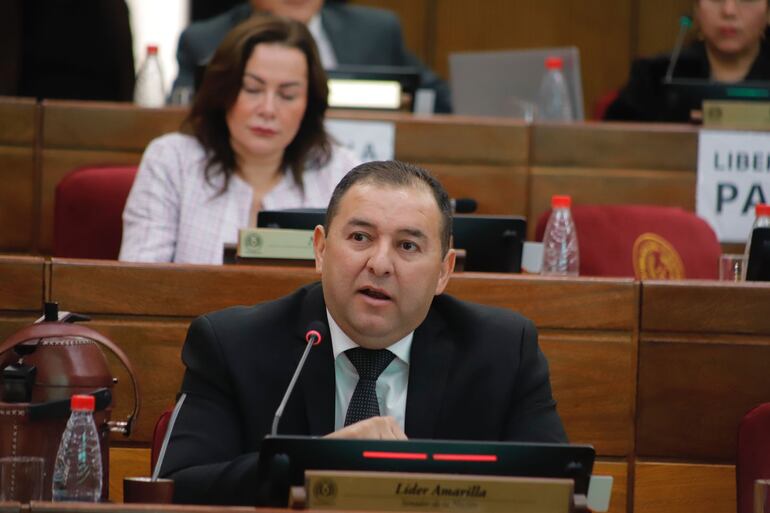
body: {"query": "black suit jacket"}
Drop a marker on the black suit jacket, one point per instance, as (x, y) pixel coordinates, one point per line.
(359, 35)
(476, 373)
(644, 98)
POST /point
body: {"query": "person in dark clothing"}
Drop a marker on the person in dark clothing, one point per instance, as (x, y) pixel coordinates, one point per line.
(71, 49)
(733, 47)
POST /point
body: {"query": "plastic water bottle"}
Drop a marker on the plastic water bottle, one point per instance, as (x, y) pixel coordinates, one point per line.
(761, 220)
(77, 474)
(149, 90)
(553, 99)
(560, 242)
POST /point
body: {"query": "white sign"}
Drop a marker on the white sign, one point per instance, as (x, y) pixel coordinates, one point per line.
(369, 140)
(733, 176)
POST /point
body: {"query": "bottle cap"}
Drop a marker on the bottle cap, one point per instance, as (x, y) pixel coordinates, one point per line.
(553, 62)
(152, 49)
(762, 209)
(561, 201)
(82, 403)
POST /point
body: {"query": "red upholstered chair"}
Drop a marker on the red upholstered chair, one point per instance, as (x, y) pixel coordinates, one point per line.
(88, 212)
(603, 103)
(161, 426)
(753, 458)
(642, 241)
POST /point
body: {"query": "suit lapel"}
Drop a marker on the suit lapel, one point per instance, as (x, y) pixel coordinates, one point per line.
(335, 31)
(430, 359)
(316, 380)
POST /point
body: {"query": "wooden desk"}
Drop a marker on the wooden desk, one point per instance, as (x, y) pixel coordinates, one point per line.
(507, 166)
(656, 375)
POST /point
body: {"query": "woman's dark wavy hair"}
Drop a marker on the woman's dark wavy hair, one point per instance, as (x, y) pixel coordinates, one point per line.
(222, 83)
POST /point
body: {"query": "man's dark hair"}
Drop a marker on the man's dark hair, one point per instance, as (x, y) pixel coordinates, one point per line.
(396, 174)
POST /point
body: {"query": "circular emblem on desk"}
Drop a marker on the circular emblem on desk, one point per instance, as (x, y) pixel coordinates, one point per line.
(253, 240)
(325, 491)
(656, 259)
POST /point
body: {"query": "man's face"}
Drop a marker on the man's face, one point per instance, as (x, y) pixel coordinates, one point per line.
(300, 10)
(381, 262)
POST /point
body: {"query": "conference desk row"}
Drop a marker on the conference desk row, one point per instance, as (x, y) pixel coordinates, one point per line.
(656, 375)
(508, 166)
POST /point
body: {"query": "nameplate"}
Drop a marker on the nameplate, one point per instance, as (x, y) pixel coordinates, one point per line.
(391, 491)
(733, 176)
(275, 243)
(736, 115)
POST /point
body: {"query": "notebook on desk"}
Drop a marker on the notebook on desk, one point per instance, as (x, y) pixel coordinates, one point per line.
(496, 83)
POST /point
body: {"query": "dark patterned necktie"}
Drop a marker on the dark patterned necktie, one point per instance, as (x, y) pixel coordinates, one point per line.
(369, 363)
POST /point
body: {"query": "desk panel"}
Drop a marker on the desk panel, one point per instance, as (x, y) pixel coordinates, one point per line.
(18, 195)
(703, 362)
(684, 488)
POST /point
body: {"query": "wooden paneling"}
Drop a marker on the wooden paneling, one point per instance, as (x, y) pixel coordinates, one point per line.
(683, 488)
(615, 146)
(168, 290)
(496, 189)
(594, 26)
(593, 376)
(553, 303)
(105, 126)
(704, 348)
(462, 140)
(658, 24)
(126, 462)
(706, 307)
(22, 283)
(619, 472)
(17, 172)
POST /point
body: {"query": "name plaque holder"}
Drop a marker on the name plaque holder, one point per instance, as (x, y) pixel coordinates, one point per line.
(440, 493)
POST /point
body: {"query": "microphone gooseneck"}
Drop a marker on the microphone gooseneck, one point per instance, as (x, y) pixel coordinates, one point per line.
(316, 332)
(685, 22)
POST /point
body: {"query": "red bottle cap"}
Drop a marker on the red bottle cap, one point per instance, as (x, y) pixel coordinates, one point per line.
(762, 209)
(561, 201)
(82, 403)
(554, 63)
(152, 49)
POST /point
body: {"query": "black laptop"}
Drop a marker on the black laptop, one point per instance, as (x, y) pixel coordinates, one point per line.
(284, 459)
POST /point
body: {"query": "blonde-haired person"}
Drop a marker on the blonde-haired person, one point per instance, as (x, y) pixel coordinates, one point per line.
(731, 46)
(254, 140)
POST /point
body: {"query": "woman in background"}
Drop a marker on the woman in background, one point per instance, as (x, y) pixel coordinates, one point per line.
(732, 47)
(255, 141)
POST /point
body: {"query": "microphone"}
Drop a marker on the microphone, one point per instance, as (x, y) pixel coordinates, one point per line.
(463, 205)
(685, 22)
(316, 332)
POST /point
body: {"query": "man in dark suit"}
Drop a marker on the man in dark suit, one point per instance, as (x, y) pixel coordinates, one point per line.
(445, 369)
(345, 35)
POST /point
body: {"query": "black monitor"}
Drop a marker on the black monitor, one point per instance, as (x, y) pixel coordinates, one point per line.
(491, 243)
(407, 78)
(682, 96)
(284, 459)
(758, 266)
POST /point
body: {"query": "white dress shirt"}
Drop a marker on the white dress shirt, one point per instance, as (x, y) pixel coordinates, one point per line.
(322, 41)
(173, 214)
(391, 385)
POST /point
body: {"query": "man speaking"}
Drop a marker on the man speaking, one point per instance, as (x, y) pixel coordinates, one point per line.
(404, 360)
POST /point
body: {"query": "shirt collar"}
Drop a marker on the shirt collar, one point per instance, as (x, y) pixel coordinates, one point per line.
(315, 27)
(341, 342)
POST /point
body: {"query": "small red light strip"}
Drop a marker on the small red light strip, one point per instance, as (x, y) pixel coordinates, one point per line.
(382, 455)
(466, 457)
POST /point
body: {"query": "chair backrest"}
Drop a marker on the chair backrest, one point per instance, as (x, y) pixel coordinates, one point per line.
(161, 426)
(642, 241)
(88, 212)
(753, 458)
